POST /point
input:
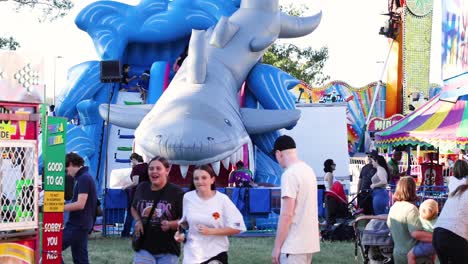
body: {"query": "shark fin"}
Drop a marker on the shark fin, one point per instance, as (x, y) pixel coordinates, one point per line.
(260, 43)
(197, 57)
(258, 121)
(127, 116)
(223, 32)
(270, 86)
(293, 27)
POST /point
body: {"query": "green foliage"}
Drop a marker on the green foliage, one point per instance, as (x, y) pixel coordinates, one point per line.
(304, 64)
(9, 43)
(294, 10)
(50, 9)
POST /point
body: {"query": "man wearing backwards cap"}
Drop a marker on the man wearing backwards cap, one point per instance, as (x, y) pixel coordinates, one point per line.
(297, 235)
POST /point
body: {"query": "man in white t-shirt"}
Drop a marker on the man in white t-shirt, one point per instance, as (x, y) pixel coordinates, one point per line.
(297, 235)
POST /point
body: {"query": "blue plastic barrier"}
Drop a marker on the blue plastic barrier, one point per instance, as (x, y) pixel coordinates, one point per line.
(115, 198)
(321, 209)
(260, 201)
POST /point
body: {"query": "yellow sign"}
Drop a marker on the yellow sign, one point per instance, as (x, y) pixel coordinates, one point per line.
(7, 130)
(53, 201)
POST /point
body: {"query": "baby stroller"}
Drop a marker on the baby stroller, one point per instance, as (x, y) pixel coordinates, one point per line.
(339, 216)
(374, 239)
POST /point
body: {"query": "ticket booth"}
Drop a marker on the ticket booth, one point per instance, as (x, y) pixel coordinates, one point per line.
(19, 182)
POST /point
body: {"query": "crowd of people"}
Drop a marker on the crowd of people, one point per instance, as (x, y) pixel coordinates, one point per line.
(424, 232)
(202, 218)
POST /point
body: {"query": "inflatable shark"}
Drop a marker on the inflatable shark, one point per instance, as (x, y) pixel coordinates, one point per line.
(198, 119)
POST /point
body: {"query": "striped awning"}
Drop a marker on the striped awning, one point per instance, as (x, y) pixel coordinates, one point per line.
(439, 123)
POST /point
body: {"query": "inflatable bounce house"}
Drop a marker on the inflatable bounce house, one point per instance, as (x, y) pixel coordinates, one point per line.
(219, 107)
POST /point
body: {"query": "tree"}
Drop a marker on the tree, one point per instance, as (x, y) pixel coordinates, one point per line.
(305, 64)
(9, 43)
(50, 9)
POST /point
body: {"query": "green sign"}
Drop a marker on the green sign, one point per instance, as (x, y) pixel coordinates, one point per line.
(54, 153)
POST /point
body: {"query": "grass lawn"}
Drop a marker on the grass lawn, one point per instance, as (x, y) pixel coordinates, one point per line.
(243, 250)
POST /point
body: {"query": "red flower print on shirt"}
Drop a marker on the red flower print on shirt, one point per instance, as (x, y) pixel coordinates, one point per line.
(216, 215)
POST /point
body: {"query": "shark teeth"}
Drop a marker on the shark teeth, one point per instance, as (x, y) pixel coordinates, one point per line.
(226, 162)
(216, 167)
(183, 170)
(236, 156)
(233, 158)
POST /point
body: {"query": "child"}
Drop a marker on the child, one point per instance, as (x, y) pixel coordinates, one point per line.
(143, 84)
(124, 82)
(428, 212)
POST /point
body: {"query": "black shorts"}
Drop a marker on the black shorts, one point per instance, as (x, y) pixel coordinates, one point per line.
(221, 258)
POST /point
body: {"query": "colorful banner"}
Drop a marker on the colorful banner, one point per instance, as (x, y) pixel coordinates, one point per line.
(54, 154)
(379, 124)
(438, 123)
(19, 121)
(54, 185)
(454, 37)
(52, 238)
(18, 252)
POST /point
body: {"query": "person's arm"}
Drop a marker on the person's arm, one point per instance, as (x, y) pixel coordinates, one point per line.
(415, 227)
(131, 78)
(329, 176)
(233, 222)
(139, 230)
(135, 214)
(422, 236)
(78, 205)
(225, 231)
(168, 225)
(133, 183)
(178, 209)
(178, 236)
(176, 66)
(284, 223)
(359, 183)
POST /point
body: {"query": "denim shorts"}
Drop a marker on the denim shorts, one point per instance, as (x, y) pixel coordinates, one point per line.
(423, 249)
(145, 257)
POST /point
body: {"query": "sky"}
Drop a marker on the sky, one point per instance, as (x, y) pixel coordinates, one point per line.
(348, 28)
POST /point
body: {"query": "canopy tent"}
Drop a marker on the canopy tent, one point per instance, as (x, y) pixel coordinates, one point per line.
(442, 123)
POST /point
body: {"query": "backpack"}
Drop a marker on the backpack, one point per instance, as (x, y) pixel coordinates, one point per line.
(339, 232)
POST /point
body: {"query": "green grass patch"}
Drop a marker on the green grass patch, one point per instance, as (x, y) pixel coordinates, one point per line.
(245, 250)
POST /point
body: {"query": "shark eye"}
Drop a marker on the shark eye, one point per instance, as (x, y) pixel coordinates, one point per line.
(210, 138)
(227, 122)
